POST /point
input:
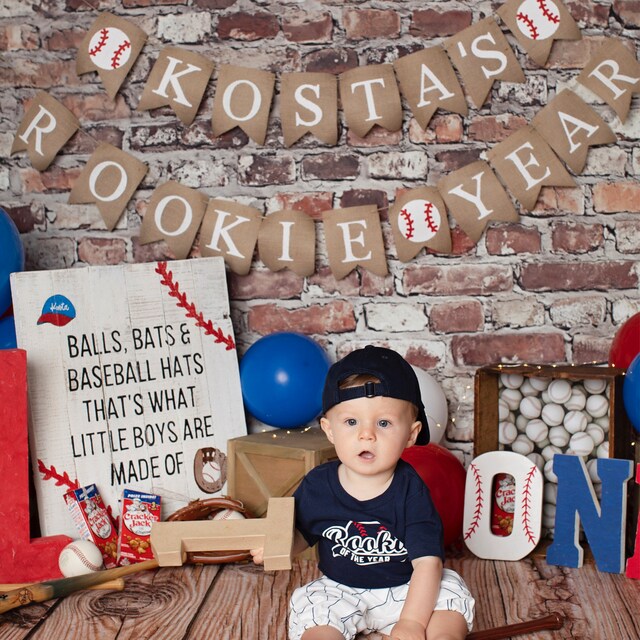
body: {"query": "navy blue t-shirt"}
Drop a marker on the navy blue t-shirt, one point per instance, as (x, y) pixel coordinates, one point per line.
(368, 543)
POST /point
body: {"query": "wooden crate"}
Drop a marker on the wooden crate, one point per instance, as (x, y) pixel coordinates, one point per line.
(273, 463)
(621, 434)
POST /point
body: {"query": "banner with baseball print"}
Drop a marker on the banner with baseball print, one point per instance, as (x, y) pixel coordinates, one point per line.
(428, 82)
(526, 163)
(613, 74)
(110, 178)
(44, 130)
(481, 54)
(475, 198)
(134, 382)
(174, 215)
(179, 79)
(287, 239)
(419, 219)
(243, 99)
(537, 23)
(571, 126)
(354, 237)
(369, 97)
(110, 47)
(309, 103)
(230, 230)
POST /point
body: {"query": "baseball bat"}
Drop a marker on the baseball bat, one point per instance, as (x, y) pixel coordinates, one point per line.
(552, 621)
(115, 585)
(43, 591)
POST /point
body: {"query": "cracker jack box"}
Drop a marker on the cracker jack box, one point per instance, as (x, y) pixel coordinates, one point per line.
(138, 512)
(93, 521)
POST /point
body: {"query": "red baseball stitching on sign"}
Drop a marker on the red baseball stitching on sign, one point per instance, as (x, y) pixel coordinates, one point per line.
(526, 505)
(428, 218)
(190, 308)
(104, 34)
(409, 222)
(528, 23)
(85, 561)
(552, 17)
(475, 522)
(52, 474)
(119, 51)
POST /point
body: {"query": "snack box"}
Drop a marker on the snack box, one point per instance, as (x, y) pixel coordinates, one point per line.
(138, 512)
(93, 521)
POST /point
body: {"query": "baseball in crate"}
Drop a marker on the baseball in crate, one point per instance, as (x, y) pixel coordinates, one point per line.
(138, 512)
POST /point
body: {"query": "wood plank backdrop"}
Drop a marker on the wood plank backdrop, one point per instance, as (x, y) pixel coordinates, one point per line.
(241, 601)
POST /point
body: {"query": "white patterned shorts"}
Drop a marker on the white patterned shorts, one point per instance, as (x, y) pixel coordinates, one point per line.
(353, 611)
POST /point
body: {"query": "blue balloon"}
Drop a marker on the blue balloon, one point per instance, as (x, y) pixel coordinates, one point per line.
(282, 376)
(8, 333)
(11, 257)
(631, 392)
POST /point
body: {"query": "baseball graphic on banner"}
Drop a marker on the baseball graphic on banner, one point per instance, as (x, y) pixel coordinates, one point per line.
(419, 220)
(538, 19)
(109, 48)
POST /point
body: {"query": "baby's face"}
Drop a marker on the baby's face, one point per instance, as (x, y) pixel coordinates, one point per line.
(370, 434)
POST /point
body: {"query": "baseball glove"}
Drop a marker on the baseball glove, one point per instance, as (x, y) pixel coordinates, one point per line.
(206, 510)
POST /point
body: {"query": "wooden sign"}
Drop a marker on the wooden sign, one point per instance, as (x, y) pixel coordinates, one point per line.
(133, 379)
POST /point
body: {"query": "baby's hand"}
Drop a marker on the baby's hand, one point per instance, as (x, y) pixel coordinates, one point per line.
(257, 555)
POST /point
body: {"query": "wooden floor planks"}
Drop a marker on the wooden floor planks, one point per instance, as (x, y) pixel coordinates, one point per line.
(242, 602)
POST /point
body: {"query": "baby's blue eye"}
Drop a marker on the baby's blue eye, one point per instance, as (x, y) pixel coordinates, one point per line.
(352, 422)
(383, 423)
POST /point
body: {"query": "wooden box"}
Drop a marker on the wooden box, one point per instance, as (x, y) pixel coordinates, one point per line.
(273, 463)
(620, 434)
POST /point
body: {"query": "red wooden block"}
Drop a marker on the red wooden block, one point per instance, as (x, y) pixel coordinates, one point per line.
(21, 558)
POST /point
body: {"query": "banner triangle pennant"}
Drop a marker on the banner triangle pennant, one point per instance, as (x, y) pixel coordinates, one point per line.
(110, 178)
(482, 55)
(110, 47)
(178, 79)
(537, 23)
(44, 130)
(570, 126)
(526, 163)
(613, 74)
(419, 219)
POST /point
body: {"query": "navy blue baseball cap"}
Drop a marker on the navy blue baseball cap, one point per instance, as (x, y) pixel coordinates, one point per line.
(397, 380)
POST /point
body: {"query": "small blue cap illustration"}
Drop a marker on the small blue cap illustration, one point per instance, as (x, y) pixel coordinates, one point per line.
(57, 310)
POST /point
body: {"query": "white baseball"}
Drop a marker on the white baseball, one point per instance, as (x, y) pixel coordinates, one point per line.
(559, 391)
(109, 48)
(550, 493)
(581, 443)
(549, 515)
(512, 397)
(604, 422)
(597, 406)
(527, 389)
(228, 514)
(596, 385)
(577, 401)
(419, 220)
(211, 472)
(538, 19)
(530, 407)
(552, 414)
(596, 433)
(539, 384)
(592, 468)
(558, 436)
(543, 443)
(537, 459)
(548, 472)
(80, 557)
(549, 451)
(512, 380)
(603, 450)
(507, 432)
(537, 430)
(522, 445)
(521, 423)
(575, 421)
(503, 410)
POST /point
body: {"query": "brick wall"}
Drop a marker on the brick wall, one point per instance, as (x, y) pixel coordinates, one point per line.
(552, 288)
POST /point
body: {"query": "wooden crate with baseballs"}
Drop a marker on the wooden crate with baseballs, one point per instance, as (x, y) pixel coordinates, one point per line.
(540, 410)
(273, 463)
